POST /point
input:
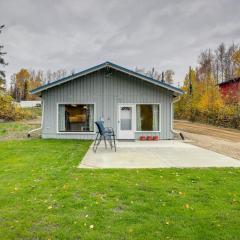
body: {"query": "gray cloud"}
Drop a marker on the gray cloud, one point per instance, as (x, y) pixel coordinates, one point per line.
(53, 34)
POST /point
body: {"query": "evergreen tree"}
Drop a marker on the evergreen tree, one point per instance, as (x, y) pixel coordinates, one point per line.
(2, 64)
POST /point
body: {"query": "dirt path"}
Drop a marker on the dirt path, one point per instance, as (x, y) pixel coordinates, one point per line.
(222, 140)
(33, 121)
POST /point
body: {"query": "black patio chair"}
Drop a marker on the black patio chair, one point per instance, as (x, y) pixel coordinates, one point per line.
(104, 133)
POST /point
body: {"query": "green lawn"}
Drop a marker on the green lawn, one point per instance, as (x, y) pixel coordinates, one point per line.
(44, 196)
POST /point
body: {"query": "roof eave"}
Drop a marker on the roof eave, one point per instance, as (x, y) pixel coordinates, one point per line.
(66, 79)
(101, 66)
(150, 80)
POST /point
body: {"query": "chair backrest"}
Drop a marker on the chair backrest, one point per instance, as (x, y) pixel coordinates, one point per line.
(100, 127)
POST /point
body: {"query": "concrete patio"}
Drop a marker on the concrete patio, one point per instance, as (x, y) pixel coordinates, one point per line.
(160, 154)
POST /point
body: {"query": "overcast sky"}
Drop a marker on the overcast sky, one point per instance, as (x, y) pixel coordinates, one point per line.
(75, 34)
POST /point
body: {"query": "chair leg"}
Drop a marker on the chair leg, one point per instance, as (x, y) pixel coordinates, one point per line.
(114, 141)
(105, 141)
(96, 142)
(110, 141)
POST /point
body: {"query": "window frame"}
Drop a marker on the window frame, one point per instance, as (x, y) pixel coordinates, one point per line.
(159, 116)
(76, 103)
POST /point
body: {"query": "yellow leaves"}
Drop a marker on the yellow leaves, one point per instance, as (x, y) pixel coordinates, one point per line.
(234, 201)
(50, 207)
(205, 103)
(186, 206)
(10, 110)
(236, 59)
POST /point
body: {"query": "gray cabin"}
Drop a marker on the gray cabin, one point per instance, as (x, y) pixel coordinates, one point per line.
(132, 104)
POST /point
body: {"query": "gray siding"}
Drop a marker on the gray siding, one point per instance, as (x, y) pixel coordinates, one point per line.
(106, 92)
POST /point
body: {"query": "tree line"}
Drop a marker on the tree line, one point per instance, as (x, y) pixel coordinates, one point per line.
(224, 62)
(202, 100)
(25, 80)
(165, 76)
(8, 109)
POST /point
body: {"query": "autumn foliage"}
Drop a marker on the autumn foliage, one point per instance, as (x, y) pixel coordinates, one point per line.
(10, 111)
(202, 100)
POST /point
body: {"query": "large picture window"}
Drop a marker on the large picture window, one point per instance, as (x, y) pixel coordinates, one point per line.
(147, 117)
(76, 117)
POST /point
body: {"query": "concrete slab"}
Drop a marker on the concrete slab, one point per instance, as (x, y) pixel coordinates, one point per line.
(160, 154)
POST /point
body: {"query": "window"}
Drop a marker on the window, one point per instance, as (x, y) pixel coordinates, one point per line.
(147, 117)
(76, 117)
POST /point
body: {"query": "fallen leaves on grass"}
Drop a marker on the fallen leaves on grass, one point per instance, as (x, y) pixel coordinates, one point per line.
(186, 206)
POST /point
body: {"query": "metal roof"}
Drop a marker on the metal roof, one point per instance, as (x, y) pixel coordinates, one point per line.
(232, 80)
(104, 65)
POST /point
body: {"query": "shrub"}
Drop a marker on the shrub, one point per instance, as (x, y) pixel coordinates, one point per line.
(10, 111)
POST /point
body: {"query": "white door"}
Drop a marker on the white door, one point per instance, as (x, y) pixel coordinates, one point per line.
(126, 121)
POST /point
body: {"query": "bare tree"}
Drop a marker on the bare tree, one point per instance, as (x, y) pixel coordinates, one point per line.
(220, 61)
(205, 68)
(169, 73)
(52, 76)
(2, 63)
(153, 73)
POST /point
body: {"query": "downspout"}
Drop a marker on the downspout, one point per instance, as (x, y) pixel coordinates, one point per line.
(37, 129)
(172, 130)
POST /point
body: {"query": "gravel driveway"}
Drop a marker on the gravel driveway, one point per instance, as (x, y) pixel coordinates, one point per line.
(221, 140)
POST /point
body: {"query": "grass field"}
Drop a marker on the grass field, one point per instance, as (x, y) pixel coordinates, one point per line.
(14, 130)
(45, 196)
